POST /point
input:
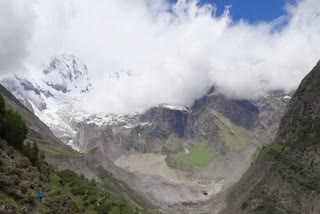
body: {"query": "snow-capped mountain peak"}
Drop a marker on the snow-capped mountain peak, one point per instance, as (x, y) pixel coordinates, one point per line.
(54, 95)
(67, 73)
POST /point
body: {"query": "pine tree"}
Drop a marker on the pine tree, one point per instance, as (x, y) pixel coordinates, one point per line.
(27, 149)
(2, 115)
(93, 182)
(34, 153)
(42, 156)
(15, 129)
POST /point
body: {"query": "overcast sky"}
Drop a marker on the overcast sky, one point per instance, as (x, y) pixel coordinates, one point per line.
(175, 51)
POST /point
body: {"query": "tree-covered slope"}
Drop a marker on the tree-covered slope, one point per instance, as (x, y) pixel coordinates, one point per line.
(285, 178)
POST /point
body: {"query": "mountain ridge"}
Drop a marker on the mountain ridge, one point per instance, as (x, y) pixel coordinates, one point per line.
(223, 132)
(285, 177)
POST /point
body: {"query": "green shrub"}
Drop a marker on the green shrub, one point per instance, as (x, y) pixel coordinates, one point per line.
(15, 129)
(31, 150)
(8, 206)
(104, 207)
(296, 171)
(93, 182)
(88, 197)
(244, 205)
(115, 210)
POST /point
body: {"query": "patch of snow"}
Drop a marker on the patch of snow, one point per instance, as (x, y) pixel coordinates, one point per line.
(127, 121)
(72, 145)
(129, 126)
(143, 124)
(174, 107)
(287, 97)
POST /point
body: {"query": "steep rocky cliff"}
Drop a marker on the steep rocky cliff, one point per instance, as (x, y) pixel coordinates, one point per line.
(285, 178)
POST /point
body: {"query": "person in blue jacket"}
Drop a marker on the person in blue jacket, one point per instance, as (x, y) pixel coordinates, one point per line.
(41, 194)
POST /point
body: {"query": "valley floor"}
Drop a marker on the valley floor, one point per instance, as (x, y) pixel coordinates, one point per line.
(186, 192)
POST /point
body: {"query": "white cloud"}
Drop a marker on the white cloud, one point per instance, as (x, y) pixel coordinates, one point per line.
(16, 28)
(175, 52)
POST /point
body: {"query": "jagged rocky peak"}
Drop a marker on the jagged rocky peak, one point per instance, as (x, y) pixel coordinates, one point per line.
(67, 73)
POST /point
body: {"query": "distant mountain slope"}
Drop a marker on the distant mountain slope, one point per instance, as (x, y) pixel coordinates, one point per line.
(55, 97)
(200, 123)
(285, 178)
(92, 165)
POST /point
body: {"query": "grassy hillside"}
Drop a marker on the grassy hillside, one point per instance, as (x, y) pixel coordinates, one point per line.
(236, 138)
(285, 177)
(65, 191)
(200, 155)
(87, 196)
(276, 183)
(20, 180)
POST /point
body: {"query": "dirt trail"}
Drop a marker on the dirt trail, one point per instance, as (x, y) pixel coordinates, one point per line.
(36, 208)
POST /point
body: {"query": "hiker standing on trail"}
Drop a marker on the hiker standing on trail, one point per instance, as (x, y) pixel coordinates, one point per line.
(41, 193)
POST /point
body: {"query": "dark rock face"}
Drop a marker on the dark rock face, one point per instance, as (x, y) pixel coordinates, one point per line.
(286, 175)
(203, 128)
(303, 118)
(58, 87)
(28, 86)
(167, 121)
(242, 112)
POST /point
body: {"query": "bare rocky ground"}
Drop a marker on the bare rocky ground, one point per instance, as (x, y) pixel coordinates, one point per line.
(177, 191)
